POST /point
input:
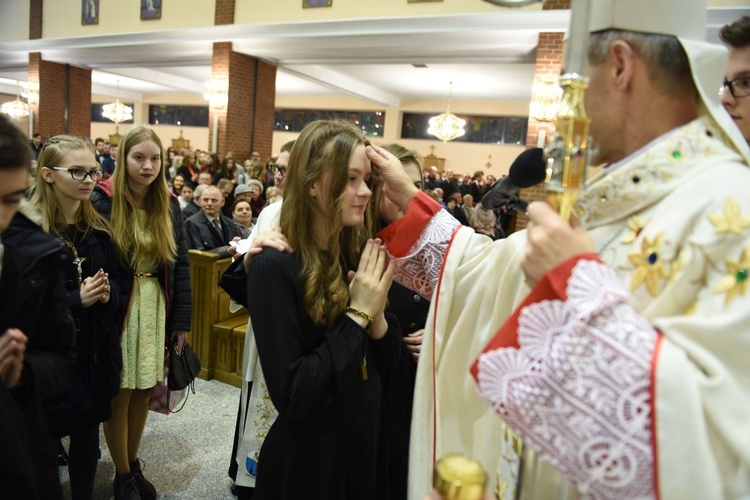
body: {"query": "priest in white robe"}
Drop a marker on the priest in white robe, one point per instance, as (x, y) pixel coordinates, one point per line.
(626, 368)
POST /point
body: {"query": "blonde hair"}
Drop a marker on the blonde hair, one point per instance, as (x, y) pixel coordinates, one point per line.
(322, 150)
(132, 246)
(44, 198)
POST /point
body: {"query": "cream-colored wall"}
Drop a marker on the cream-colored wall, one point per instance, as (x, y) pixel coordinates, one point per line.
(14, 15)
(62, 18)
(459, 156)
(198, 136)
(263, 11)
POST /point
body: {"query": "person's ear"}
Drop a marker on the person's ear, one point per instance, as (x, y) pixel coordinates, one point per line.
(46, 174)
(623, 59)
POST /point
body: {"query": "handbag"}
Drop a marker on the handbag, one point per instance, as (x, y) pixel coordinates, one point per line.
(183, 367)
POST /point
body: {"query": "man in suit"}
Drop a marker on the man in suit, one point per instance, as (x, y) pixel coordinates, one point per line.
(193, 206)
(209, 230)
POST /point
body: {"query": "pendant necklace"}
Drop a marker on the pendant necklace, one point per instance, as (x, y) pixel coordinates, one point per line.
(77, 261)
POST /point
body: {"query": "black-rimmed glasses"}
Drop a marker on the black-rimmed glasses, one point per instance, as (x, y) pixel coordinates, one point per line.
(79, 174)
(276, 169)
(739, 87)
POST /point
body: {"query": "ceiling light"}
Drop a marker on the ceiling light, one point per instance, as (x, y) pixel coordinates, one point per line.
(16, 109)
(216, 93)
(117, 111)
(545, 99)
(31, 92)
(447, 126)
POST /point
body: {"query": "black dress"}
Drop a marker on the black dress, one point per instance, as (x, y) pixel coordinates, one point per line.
(328, 440)
(398, 386)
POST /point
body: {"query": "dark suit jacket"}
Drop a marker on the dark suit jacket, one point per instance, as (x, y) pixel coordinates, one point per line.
(191, 209)
(203, 235)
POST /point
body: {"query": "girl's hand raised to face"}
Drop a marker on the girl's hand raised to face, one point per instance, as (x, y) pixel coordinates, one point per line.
(369, 288)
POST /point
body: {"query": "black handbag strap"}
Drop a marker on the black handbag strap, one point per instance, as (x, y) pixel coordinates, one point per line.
(189, 388)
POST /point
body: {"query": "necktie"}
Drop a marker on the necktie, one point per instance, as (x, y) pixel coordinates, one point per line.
(217, 226)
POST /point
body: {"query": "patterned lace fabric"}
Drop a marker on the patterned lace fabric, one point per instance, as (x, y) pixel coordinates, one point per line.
(578, 389)
(419, 270)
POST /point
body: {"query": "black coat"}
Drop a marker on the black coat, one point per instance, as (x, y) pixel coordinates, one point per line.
(191, 209)
(203, 235)
(32, 299)
(398, 387)
(328, 440)
(97, 377)
(174, 276)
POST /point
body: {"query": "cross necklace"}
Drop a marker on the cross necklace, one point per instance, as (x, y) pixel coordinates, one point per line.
(77, 261)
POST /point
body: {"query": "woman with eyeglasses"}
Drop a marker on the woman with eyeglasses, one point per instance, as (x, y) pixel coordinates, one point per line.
(324, 341)
(68, 172)
(151, 243)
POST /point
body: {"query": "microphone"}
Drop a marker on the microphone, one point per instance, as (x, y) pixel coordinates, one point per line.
(527, 170)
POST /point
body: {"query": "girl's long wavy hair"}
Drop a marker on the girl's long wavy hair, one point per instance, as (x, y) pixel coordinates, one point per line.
(322, 150)
(44, 199)
(131, 244)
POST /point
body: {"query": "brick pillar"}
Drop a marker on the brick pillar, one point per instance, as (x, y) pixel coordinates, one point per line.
(64, 98)
(548, 65)
(224, 12)
(246, 122)
(36, 11)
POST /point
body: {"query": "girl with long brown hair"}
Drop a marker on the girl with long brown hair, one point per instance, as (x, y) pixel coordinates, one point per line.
(323, 342)
(151, 244)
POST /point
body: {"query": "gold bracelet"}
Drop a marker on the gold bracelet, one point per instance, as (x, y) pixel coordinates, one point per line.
(370, 319)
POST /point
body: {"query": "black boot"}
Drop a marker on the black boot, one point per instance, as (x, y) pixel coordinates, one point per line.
(125, 487)
(147, 490)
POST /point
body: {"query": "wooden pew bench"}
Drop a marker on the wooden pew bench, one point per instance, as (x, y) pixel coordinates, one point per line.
(212, 335)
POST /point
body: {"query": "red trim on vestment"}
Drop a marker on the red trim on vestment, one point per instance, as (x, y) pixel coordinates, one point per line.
(402, 234)
(652, 395)
(436, 298)
(551, 287)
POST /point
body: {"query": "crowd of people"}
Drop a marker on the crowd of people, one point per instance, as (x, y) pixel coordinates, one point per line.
(391, 317)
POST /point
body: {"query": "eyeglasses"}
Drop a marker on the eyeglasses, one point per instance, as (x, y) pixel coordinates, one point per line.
(739, 87)
(277, 169)
(79, 174)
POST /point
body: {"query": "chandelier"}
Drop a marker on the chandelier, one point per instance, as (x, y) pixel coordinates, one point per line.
(117, 111)
(216, 93)
(545, 99)
(16, 109)
(447, 126)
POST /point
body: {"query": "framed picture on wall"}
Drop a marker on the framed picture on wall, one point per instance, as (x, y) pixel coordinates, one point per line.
(316, 3)
(89, 12)
(150, 9)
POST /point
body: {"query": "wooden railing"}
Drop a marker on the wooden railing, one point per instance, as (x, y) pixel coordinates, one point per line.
(220, 355)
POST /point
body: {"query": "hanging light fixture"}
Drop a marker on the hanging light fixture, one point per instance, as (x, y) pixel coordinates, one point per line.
(16, 109)
(31, 92)
(117, 111)
(447, 126)
(545, 99)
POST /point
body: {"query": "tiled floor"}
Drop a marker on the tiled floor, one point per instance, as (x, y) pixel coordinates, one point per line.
(186, 454)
